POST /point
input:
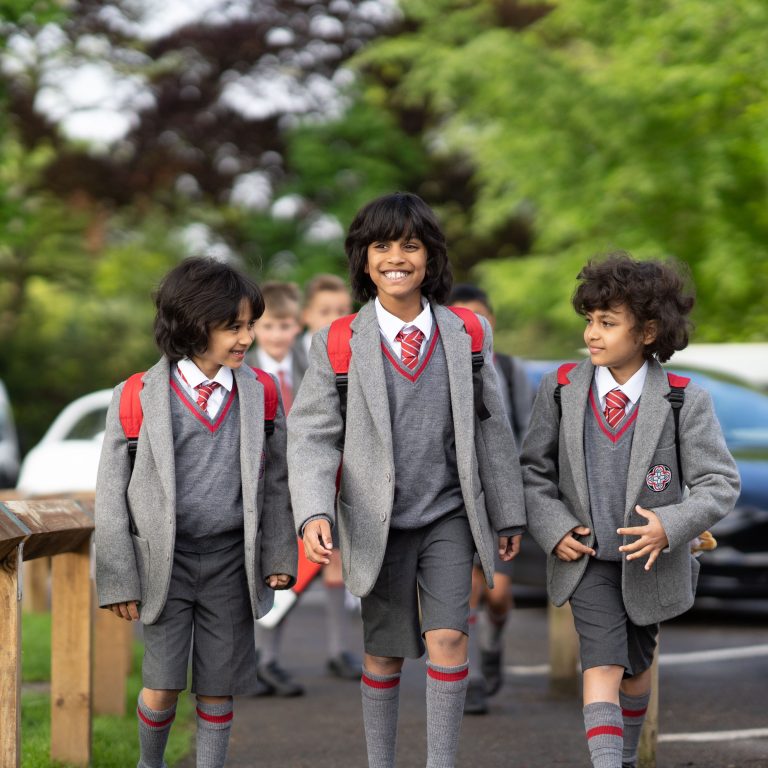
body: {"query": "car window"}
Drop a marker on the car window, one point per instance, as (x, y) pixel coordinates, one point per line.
(88, 426)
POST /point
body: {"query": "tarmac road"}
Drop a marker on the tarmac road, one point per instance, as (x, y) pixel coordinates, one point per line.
(702, 696)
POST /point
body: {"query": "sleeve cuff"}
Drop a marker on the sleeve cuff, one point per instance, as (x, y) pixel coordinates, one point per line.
(310, 519)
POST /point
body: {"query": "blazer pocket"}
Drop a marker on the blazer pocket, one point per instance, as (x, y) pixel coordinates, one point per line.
(674, 576)
(141, 552)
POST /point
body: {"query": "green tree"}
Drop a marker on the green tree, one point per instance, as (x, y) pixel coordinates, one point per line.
(638, 125)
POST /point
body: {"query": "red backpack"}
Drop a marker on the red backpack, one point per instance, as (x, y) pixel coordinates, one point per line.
(340, 354)
(131, 414)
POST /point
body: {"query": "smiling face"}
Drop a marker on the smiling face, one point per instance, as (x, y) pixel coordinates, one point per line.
(397, 268)
(614, 341)
(227, 344)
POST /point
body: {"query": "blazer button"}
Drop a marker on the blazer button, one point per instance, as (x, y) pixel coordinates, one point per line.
(383, 517)
(389, 477)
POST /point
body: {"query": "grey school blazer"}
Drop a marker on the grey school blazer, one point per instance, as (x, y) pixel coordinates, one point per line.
(138, 566)
(488, 465)
(557, 496)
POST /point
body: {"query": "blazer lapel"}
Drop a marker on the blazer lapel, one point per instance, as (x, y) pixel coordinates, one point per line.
(250, 394)
(155, 399)
(457, 346)
(648, 429)
(368, 362)
(573, 398)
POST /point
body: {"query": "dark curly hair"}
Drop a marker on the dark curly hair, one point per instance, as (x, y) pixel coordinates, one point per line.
(195, 297)
(393, 217)
(651, 290)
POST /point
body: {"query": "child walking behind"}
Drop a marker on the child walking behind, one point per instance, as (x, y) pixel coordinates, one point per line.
(193, 538)
(424, 481)
(604, 471)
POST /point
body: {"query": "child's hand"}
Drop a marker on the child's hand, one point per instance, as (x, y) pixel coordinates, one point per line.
(278, 580)
(570, 548)
(128, 611)
(653, 538)
(509, 546)
(317, 541)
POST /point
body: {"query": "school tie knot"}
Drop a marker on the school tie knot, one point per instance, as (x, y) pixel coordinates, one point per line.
(204, 391)
(615, 406)
(410, 339)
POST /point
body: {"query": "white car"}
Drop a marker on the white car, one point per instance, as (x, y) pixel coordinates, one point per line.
(67, 458)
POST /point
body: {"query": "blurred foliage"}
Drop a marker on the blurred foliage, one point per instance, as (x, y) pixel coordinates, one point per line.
(543, 133)
(636, 125)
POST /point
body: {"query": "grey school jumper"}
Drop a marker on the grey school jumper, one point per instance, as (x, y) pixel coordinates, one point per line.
(209, 494)
(423, 444)
(607, 452)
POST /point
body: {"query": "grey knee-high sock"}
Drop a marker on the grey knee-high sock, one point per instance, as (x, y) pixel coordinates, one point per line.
(214, 723)
(381, 701)
(336, 617)
(446, 690)
(268, 642)
(605, 733)
(633, 710)
(491, 629)
(154, 727)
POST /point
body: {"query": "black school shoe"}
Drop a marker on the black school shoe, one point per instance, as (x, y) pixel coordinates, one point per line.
(490, 666)
(276, 681)
(476, 701)
(345, 666)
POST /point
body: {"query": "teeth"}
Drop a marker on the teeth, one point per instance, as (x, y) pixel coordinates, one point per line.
(395, 275)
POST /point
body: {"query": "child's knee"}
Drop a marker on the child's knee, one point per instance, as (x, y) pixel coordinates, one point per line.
(446, 642)
(159, 700)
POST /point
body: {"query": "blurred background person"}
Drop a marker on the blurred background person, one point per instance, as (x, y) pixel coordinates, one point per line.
(489, 608)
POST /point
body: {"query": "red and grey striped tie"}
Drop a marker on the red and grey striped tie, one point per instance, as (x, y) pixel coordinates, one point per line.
(615, 404)
(410, 344)
(204, 391)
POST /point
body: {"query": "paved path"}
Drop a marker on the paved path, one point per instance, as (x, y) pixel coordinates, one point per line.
(527, 727)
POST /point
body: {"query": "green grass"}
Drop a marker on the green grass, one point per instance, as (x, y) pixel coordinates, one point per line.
(115, 739)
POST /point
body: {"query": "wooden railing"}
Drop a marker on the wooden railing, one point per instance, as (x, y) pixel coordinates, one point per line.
(90, 648)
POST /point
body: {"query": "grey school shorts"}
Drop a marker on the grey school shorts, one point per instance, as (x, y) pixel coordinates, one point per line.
(209, 608)
(606, 633)
(427, 573)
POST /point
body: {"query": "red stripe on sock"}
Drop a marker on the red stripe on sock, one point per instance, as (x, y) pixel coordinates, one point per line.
(154, 723)
(633, 712)
(380, 683)
(605, 730)
(447, 677)
(214, 718)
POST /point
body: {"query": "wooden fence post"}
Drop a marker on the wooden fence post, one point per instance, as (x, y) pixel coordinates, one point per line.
(563, 650)
(112, 645)
(12, 536)
(63, 529)
(649, 738)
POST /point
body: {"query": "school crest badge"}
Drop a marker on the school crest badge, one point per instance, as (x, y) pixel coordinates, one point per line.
(658, 477)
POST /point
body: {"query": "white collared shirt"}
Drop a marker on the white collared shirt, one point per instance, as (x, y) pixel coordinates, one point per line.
(632, 388)
(390, 325)
(192, 376)
(276, 367)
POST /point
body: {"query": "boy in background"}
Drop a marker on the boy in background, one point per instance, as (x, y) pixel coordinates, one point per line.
(275, 333)
(326, 298)
(489, 608)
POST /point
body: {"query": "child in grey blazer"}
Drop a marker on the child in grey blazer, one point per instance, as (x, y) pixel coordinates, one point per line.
(605, 492)
(424, 481)
(194, 537)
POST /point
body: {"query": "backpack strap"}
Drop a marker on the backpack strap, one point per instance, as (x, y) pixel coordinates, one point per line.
(562, 380)
(676, 398)
(271, 400)
(474, 328)
(340, 355)
(131, 414)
